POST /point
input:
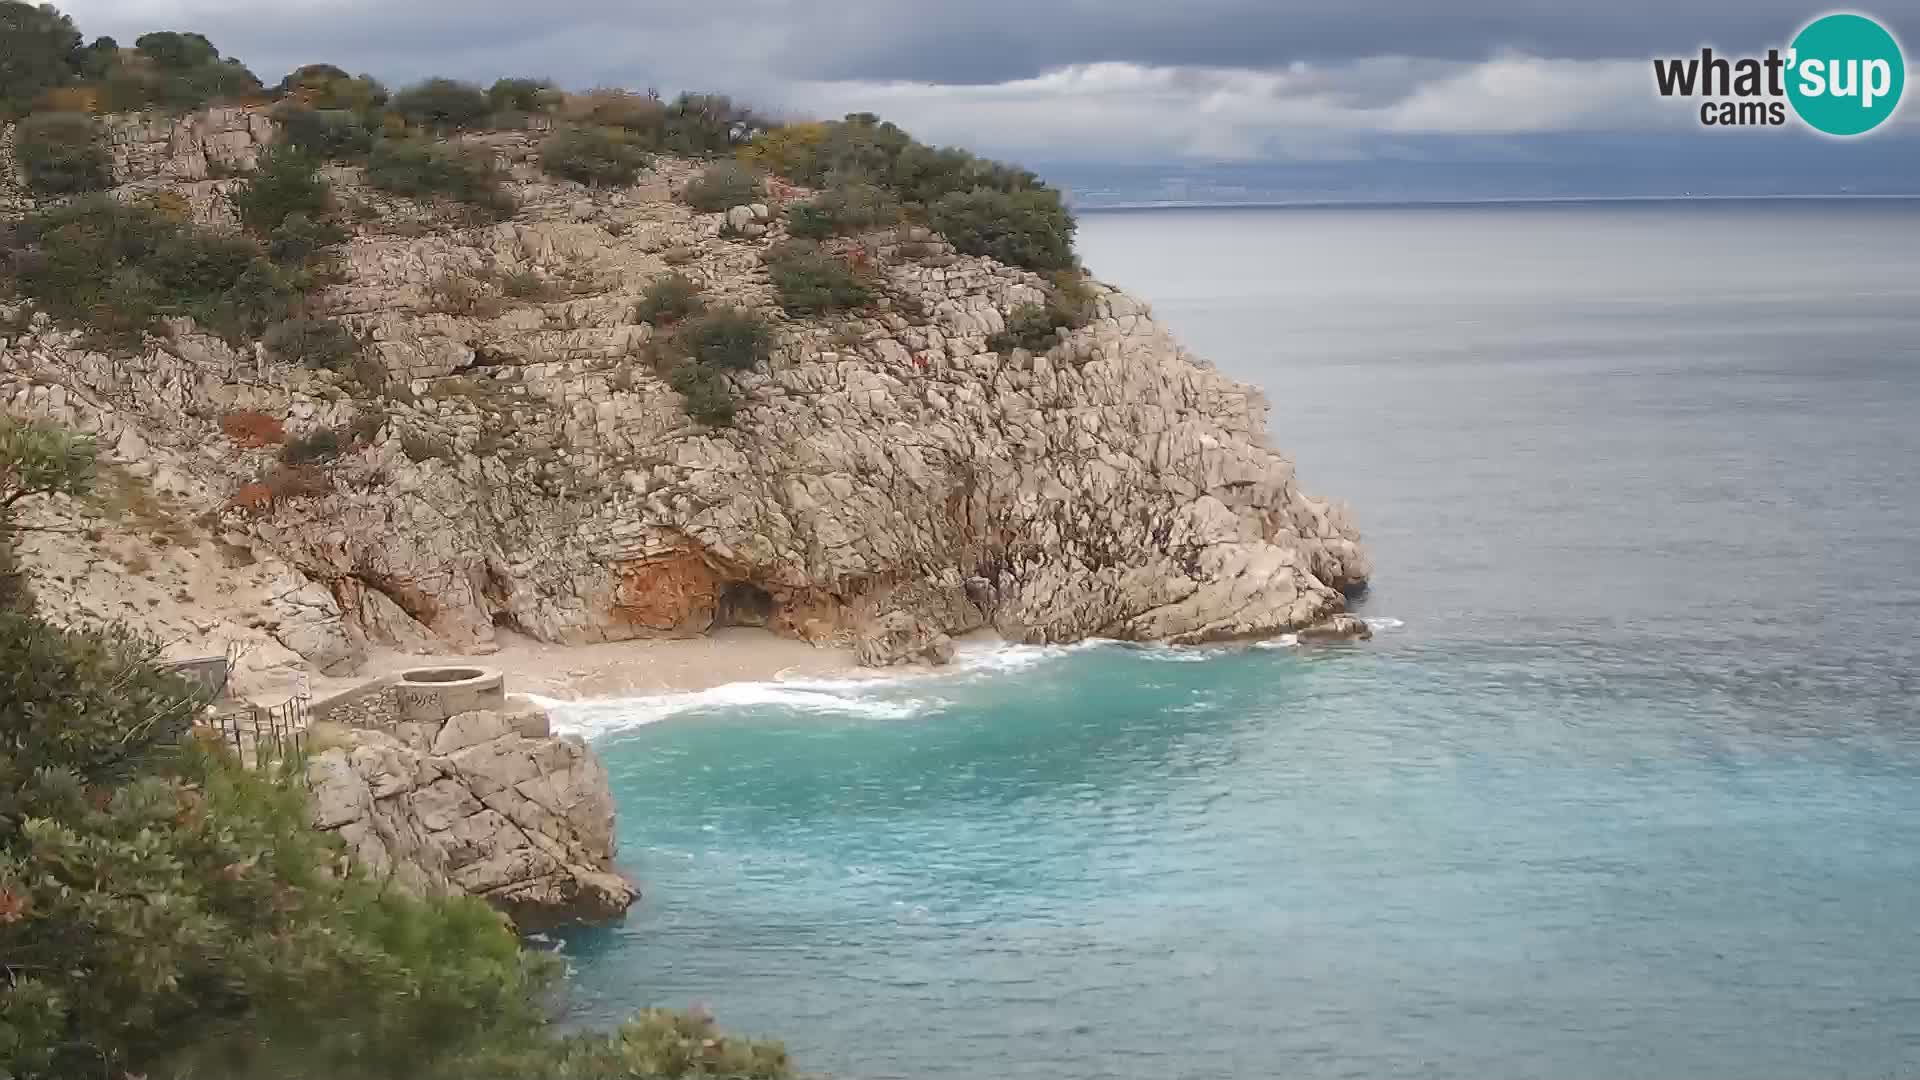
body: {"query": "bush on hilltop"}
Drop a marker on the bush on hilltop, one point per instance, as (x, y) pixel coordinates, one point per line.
(443, 105)
(598, 156)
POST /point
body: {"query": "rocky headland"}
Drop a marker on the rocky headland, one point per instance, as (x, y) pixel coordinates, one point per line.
(889, 481)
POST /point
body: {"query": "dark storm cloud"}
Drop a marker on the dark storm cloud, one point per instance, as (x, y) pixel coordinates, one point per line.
(998, 40)
(984, 41)
(1116, 80)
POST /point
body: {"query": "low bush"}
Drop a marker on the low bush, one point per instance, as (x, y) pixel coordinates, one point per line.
(721, 187)
(733, 339)
(443, 105)
(1029, 228)
(325, 134)
(527, 285)
(599, 156)
(1029, 326)
(252, 429)
(285, 183)
(985, 207)
(523, 95)
(669, 300)
(115, 268)
(707, 393)
(326, 87)
(299, 238)
(62, 153)
(322, 344)
(852, 207)
(640, 115)
(812, 281)
(323, 444)
(423, 169)
(423, 448)
(463, 294)
(300, 480)
(1038, 327)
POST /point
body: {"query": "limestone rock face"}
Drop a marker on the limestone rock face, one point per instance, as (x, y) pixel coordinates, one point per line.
(900, 638)
(488, 803)
(529, 469)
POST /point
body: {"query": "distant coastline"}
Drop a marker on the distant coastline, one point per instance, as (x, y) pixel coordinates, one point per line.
(1408, 204)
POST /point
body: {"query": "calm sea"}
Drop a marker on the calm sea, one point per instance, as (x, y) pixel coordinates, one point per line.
(1628, 785)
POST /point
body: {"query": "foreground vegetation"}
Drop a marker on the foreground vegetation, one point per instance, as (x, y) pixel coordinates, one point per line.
(165, 913)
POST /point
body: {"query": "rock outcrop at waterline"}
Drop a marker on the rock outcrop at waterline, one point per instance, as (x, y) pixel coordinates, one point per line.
(889, 481)
(487, 803)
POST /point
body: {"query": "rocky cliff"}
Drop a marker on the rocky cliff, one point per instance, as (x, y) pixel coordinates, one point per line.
(889, 479)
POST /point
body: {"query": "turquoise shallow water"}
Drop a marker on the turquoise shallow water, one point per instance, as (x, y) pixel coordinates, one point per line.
(1628, 785)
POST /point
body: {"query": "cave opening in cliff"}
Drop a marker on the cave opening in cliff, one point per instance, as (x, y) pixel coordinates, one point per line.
(743, 603)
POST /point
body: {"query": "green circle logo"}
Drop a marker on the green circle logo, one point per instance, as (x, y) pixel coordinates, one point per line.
(1845, 74)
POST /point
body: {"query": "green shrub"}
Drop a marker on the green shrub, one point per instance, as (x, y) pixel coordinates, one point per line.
(1038, 327)
(699, 125)
(443, 105)
(285, 183)
(325, 134)
(597, 156)
(522, 95)
(1029, 326)
(527, 285)
(985, 207)
(422, 168)
(733, 339)
(313, 343)
(176, 52)
(1022, 228)
(299, 238)
(707, 393)
(323, 444)
(721, 187)
(852, 207)
(114, 268)
(326, 87)
(669, 300)
(63, 153)
(811, 281)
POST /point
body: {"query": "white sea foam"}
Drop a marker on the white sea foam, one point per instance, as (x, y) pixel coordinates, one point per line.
(1284, 641)
(1383, 622)
(598, 716)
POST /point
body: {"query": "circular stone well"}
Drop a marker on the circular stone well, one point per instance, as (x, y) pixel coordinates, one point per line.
(431, 695)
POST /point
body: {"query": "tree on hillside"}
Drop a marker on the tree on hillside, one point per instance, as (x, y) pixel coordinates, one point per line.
(176, 51)
(39, 50)
(36, 460)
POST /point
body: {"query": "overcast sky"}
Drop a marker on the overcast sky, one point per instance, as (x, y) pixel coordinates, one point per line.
(1096, 80)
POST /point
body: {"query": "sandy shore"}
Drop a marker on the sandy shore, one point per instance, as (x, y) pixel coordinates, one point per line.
(616, 669)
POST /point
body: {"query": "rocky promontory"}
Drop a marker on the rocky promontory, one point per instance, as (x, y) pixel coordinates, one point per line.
(890, 478)
(485, 802)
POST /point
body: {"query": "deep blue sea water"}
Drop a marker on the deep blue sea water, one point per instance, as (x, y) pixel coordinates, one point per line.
(1628, 785)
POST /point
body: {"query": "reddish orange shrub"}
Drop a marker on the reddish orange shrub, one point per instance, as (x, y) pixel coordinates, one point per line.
(253, 430)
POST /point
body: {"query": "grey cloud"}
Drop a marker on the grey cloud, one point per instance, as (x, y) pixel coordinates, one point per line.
(983, 41)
